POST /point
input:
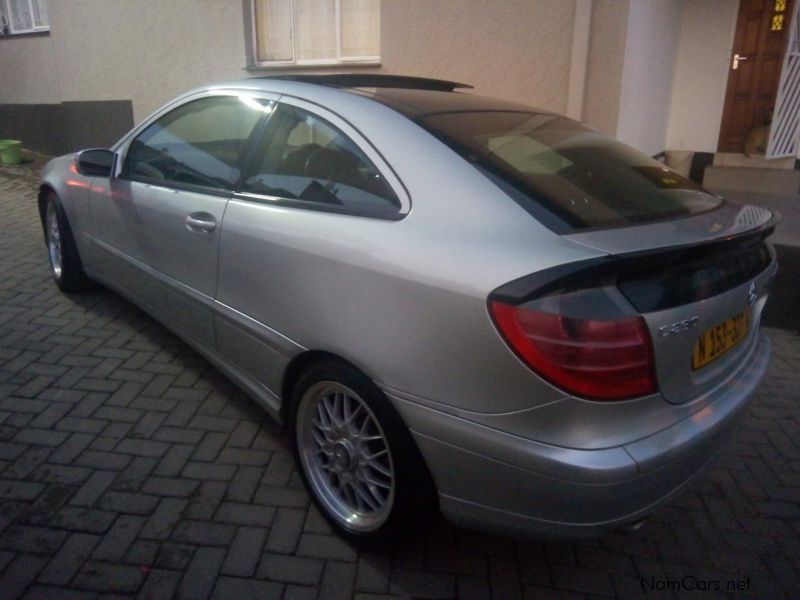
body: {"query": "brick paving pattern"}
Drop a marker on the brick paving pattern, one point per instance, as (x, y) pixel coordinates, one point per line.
(130, 467)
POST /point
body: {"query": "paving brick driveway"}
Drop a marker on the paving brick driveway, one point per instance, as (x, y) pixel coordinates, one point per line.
(129, 466)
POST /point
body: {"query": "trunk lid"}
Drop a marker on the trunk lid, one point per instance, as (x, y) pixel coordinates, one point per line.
(700, 283)
(726, 221)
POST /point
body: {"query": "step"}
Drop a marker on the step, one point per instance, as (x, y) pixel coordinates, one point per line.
(750, 179)
(758, 161)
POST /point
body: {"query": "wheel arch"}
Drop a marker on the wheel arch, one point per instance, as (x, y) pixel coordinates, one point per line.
(305, 360)
(295, 369)
(45, 190)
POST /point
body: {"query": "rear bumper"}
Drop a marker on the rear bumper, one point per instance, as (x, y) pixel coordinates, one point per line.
(491, 480)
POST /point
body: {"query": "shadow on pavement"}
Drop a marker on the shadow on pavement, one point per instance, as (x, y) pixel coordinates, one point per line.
(783, 307)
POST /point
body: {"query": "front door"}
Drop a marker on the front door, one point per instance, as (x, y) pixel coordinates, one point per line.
(754, 69)
(161, 245)
(157, 226)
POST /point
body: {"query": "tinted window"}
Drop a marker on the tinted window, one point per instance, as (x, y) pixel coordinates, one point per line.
(568, 175)
(303, 157)
(197, 144)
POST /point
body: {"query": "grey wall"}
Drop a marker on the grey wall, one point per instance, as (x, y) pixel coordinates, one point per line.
(66, 126)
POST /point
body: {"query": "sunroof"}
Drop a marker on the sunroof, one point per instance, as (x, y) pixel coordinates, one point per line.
(372, 80)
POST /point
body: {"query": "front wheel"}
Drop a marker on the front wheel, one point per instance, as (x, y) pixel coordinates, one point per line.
(65, 263)
(356, 455)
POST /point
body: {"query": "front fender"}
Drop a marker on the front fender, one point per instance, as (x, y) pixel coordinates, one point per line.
(62, 178)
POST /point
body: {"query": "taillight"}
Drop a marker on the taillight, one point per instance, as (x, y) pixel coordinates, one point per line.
(608, 359)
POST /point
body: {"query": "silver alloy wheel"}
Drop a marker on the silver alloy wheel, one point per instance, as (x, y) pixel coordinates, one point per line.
(53, 240)
(346, 456)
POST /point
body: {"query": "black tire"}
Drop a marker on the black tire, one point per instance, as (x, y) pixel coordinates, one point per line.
(414, 500)
(65, 263)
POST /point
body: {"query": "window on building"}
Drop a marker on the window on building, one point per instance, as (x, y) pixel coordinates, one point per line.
(316, 31)
(24, 16)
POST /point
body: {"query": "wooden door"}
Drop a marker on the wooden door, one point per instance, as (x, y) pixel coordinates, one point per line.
(754, 69)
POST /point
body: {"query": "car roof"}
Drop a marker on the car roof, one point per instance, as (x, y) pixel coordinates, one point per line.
(413, 97)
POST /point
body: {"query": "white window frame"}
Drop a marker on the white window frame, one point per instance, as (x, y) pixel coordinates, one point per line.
(8, 25)
(338, 60)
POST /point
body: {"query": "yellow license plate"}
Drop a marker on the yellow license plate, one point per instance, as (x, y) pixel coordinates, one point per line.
(718, 340)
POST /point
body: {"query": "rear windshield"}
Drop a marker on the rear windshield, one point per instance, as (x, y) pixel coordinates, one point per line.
(568, 176)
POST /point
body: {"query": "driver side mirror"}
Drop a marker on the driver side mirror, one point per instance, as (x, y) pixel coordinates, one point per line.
(95, 162)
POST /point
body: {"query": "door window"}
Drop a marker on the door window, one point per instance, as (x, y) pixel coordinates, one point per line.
(304, 158)
(197, 144)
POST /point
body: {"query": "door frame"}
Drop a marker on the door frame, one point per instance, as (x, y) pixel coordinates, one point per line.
(727, 96)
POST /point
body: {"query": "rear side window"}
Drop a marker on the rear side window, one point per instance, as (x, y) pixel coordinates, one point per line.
(304, 158)
(197, 144)
(567, 175)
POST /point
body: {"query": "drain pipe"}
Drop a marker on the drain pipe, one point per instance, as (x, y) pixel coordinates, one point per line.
(579, 59)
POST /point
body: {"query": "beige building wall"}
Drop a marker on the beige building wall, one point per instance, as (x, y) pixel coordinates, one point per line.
(146, 51)
(150, 50)
(515, 49)
(27, 71)
(655, 71)
(701, 74)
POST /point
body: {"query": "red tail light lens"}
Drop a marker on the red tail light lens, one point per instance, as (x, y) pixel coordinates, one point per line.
(601, 360)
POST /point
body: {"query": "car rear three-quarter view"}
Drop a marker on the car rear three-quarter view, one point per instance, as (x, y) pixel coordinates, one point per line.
(450, 300)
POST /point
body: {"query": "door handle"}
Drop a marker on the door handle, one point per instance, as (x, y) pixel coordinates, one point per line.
(200, 222)
(736, 59)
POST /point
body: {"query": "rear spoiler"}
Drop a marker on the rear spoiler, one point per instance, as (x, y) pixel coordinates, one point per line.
(738, 257)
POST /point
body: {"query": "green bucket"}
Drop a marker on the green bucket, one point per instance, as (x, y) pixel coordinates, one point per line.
(10, 152)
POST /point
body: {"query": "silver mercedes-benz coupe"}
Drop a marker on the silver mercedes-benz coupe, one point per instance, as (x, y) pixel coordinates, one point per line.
(451, 301)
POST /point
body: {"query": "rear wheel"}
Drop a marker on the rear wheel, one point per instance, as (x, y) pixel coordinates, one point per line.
(65, 263)
(356, 455)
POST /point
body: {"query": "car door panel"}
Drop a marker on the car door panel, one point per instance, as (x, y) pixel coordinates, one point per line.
(261, 352)
(275, 258)
(145, 246)
(117, 255)
(157, 225)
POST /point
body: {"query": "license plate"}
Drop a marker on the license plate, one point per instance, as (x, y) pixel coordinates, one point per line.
(718, 340)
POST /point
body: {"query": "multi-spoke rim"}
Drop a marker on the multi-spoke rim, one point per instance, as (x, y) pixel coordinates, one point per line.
(53, 240)
(346, 456)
